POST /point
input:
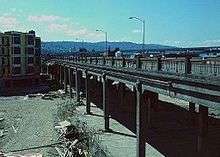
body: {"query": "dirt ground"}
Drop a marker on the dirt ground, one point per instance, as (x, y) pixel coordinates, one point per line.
(28, 122)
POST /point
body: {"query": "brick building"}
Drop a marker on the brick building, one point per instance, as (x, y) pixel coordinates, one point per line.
(19, 59)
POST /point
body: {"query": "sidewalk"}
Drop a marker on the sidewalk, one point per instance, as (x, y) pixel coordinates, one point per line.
(121, 142)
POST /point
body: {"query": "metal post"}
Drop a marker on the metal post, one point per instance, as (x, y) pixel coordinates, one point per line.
(106, 39)
(143, 30)
(106, 42)
(143, 46)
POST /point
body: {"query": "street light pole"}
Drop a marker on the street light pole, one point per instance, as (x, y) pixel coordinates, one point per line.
(143, 46)
(143, 30)
(106, 39)
(106, 42)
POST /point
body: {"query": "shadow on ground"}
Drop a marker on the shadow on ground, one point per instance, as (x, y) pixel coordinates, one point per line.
(173, 131)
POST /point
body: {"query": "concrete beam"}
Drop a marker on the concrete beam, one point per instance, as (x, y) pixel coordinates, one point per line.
(140, 122)
(192, 107)
(203, 130)
(78, 77)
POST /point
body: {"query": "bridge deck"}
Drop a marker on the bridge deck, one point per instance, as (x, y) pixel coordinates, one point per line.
(199, 90)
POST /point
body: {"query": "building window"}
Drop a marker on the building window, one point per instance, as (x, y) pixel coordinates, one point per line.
(16, 39)
(30, 40)
(3, 40)
(16, 70)
(17, 60)
(30, 60)
(30, 50)
(17, 50)
(3, 61)
(37, 61)
(3, 50)
(37, 43)
(3, 71)
(30, 69)
(37, 52)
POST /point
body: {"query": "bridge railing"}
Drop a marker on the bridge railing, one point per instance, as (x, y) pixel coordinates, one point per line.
(208, 67)
(174, 65)
(149, 64)
(177, 66)
(130, 63)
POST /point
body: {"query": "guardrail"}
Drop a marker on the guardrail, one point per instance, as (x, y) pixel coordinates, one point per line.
(177, 66)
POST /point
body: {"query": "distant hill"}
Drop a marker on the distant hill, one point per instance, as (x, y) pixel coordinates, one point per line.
(69, 46)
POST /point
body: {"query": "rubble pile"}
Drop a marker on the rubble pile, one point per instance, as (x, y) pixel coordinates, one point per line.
(78, 141)
(75, 141)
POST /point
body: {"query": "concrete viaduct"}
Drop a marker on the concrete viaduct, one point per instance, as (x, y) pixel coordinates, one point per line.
(135, 85)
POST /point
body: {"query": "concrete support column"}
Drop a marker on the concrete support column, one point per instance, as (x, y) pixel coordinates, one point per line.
(123, 62)
(47, 72)
(203, 130)
(65, 79)
(70, 82)
(113, 61)
(138, 63)
(188, 66)
(61, 71)
(105, 101)
(140, 122)
(159, 64)
(78, 77)
(41, 68)
(87, 86)
(192, 108)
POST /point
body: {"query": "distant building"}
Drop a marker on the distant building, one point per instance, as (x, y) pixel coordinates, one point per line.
(210, 54)
(19, 59)
(118, 54)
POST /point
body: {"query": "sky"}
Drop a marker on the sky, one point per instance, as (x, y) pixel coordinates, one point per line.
(183, 23)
